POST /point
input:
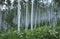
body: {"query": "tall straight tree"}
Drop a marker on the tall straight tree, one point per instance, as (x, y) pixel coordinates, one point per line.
(0, 18)
(36, 7)
(32, 14)
(26, 27)
(2, 13)
(19, 13)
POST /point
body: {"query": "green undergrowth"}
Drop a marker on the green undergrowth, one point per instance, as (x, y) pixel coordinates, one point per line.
(38, 33)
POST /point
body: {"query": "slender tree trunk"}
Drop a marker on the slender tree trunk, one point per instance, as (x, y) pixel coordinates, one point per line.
(36, 18)
(26, 27)
(0, 18)
(19, 14)
(32, 15)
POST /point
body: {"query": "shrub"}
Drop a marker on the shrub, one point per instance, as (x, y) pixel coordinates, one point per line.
(39, 33)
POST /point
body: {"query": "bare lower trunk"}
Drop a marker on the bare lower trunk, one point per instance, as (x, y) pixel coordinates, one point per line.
(19, 13)
(32, 15)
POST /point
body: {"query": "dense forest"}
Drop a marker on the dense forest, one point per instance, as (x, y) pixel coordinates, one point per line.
(29, 19)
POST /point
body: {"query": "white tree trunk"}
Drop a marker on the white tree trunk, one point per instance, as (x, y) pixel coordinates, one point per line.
(36, 19)
(0, 18)
(32, 15)
(26, 27)
(19, 14)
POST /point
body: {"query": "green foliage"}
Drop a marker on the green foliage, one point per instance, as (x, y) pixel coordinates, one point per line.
(2, 1)
(39, 33)
(57, 1)
(8, 2)
(9, 17)
(43, 33)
